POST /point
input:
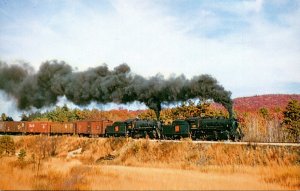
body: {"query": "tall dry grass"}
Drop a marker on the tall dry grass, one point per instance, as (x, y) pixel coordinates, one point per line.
(98, 166)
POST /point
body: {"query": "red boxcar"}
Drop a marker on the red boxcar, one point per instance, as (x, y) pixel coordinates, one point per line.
(83, 128)
(37, 127)
(2, 127)
(14, 127)
(96, 127)
(62, 128)
(92, 128)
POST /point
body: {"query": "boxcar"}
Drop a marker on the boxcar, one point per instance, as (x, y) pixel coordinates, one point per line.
(14, 127)
(178, 129)
(2, 127)
(37, 127)
(83, 128)
(62, 128)
(97, 128)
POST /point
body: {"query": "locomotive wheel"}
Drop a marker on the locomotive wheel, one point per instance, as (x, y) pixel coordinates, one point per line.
(216, 135)
(234, 138)
(159, 136)
(154, 135)
(227, 135)
(146, 135)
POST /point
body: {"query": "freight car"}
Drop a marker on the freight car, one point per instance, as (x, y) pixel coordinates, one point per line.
(24, 127)
(12, 127)
(98, 127)
(92, 128)
(37, 127)
(2, 127)
(85, 128)
(60, 128)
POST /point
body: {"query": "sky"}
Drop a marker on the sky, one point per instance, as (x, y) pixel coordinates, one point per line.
(251, 47)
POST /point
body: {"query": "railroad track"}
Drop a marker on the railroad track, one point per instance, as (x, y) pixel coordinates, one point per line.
(235, 143)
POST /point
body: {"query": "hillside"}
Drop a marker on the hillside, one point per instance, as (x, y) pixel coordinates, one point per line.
(269, 101)
(51, 163)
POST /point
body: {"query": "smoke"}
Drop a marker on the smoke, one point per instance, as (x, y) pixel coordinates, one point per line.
(120, 85)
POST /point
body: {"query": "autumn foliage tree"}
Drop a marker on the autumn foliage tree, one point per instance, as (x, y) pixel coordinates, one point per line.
(4, 117)
(185, 110)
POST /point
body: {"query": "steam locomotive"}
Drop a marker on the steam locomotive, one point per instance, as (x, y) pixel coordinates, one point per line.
(195, 128)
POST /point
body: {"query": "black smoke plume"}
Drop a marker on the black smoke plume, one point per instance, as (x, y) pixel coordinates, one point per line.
(54, 79)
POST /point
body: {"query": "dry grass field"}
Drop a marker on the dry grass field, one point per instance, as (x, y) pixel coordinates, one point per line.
(122, 164)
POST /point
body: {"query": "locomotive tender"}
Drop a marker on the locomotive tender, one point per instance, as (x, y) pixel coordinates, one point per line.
(195, 128)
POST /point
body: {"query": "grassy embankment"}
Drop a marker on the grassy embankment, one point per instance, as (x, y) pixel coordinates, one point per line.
(142, 164)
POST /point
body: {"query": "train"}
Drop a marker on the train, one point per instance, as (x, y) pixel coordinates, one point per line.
(196, 128)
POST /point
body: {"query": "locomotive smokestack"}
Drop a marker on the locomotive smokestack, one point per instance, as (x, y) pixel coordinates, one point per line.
(99, 84)
(230, 111)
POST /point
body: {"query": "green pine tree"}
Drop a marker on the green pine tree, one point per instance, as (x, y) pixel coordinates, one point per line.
(22, 155)
(291, 120)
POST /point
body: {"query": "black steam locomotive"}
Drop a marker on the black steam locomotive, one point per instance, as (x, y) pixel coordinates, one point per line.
(135, 128)
(195, 128)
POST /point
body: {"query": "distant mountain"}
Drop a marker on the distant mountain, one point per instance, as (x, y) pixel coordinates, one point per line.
(269, 101)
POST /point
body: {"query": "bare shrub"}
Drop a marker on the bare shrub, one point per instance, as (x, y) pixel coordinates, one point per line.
(7, 145)
(117, 142)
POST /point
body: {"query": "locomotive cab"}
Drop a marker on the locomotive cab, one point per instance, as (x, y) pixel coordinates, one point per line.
(236, 133)
(194, 124)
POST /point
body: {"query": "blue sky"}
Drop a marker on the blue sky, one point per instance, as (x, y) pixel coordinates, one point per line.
(251, 47)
